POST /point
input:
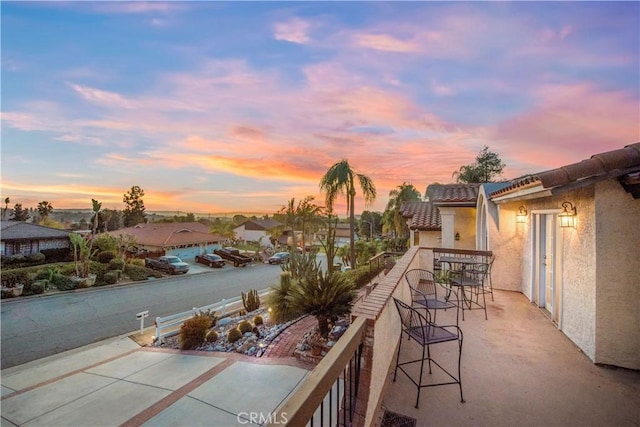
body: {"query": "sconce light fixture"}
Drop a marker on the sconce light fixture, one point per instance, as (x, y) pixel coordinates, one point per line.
(521, 215)
(568, 215)
(457, 236)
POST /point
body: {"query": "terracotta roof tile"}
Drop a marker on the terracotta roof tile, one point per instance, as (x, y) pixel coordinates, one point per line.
(169, 234)
(606, 165)
(453, 194)
(423, 215)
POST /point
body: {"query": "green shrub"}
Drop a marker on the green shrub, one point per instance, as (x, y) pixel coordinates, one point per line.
(279, 301)
(57, 254)
(116, 264)
(212, 336)
(105, 256)
(38, 287)
(62, 283)
(11, 278)
(258, 320)
(234, 335)
(194, 331)
(245, 326)
(136, 273)
(37, 258)
(137, 261)
(361, 276)
(17, 259)
(111, 277)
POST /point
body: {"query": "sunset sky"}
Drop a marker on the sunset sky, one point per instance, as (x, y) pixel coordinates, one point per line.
(239, 106)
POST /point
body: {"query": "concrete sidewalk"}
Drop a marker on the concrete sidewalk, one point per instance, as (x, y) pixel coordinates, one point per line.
(118, 382)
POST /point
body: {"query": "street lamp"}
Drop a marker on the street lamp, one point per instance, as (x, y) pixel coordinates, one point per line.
(370, 228)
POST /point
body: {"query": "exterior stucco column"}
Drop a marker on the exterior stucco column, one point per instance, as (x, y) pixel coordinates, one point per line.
(447, 220)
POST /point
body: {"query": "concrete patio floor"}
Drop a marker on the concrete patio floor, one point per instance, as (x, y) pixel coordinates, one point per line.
(518, 369)
(118, 383)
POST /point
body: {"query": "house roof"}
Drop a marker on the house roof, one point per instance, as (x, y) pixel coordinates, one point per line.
(169, 234)
(17, 230)
(260, 224)
(453, 194)
(610, 164)
(423, 215)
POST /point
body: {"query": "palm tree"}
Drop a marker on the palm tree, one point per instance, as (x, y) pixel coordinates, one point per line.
(44, 209)
(393, 220)
(340, 178)
(308, 213)
(323, 295)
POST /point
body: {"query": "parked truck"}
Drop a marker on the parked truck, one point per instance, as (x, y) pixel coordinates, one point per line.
(169, 264)
(233, 255)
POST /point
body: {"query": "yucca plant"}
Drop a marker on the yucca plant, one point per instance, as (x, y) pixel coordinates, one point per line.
(325, 296)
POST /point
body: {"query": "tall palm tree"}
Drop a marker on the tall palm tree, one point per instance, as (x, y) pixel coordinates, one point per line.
(44, 209)
(340, 178)
(308, 214)
(397, 196)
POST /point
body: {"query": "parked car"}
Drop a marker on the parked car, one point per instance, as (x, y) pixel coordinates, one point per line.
(279, 258)
(169, 264)
(212, 260)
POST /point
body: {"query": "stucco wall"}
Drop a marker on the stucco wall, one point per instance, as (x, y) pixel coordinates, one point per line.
(386, 333)
(429, 238)
(512, 244)
(617, 276)
(465, 225)
(508, 242)
(579, 273)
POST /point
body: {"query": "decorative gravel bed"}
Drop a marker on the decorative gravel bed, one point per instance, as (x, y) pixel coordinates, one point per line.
(253, 343)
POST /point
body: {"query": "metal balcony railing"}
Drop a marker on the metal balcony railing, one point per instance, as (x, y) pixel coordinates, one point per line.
(328, 395)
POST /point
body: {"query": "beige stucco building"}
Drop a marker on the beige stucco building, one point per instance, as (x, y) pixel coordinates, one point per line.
(584, 276)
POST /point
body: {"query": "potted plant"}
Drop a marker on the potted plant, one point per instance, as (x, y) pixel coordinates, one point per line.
(316, 342)
(82, 260)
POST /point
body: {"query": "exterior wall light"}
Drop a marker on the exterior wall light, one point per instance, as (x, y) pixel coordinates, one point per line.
(521, 215)
(568, 215)
(457, 236)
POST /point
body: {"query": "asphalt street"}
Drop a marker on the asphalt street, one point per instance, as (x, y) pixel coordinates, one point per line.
(39, 326)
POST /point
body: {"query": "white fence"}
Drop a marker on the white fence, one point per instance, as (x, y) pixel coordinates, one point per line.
(170, 325)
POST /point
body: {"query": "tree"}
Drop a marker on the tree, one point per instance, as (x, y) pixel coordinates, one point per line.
(369, 224)
(110, 220)
(340, 178)
(487, 166)
(323, 295)
(308, 214)
(393, 220)
(6, 207)
(134, 212)
(44, 209)
(19, 214)
(96, 206)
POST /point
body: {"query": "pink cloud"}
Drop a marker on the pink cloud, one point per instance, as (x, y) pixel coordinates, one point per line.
(103, 97)
(385, 42)
(576, 120)
(296, 30)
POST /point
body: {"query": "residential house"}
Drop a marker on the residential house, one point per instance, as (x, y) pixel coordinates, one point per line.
(447, 220)
(585, 275)
(342, 235)
(256, 230)
(185, 240)
(569, 239)
(17, 237)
